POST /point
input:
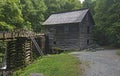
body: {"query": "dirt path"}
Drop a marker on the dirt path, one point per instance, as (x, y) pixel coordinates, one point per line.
(101, 63)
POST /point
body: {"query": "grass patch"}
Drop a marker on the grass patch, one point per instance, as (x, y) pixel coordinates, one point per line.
(53, 65)
(118, 53)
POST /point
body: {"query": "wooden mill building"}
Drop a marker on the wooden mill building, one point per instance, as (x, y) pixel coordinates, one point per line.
(70, 30)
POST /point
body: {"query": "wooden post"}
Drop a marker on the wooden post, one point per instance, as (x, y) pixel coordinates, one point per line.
(47, 46)
(24, 52)
(4, 35)
(19, 52)
(11, 54)
(28, 52)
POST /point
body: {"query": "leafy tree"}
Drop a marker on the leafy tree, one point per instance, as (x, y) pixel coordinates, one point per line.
(89, 4)
(33, 12)
(107, 21)
(61, 5)
(10, 15)
(29, 14)
(5, 27)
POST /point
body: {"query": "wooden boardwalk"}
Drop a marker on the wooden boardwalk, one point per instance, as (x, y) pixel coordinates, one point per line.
(15, 34)
(19, 48)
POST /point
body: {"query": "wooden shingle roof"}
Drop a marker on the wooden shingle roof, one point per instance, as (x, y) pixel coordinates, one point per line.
(67, 17)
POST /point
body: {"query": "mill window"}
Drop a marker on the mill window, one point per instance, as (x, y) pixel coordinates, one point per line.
(88, 42)
(54, 42)
(66, 29)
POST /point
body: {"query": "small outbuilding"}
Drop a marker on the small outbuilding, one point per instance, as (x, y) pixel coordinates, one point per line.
(70, 30)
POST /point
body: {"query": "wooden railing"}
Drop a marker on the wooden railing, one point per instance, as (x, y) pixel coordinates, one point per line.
(19, 33)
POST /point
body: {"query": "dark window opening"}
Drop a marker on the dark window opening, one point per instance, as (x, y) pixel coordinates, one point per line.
(54, 42)
(88, 42)
(88, 30)
(66, 29)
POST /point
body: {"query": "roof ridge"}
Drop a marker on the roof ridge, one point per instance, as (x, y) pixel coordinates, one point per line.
(71, 11)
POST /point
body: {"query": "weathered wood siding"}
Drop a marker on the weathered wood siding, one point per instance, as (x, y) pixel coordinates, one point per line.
(68, 38)
(64, 36)
(86, 32)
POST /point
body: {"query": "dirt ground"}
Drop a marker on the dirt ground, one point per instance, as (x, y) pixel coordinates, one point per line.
(100, 63)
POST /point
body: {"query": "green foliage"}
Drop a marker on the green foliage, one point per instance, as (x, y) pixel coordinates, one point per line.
(53, 65)
(11, 14)
(61, 5)
(33, 12)
(89, 4)
(30, 14)
(6, 27)
(107, 22)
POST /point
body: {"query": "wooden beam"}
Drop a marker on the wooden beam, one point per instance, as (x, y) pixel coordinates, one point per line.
(11, 35)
